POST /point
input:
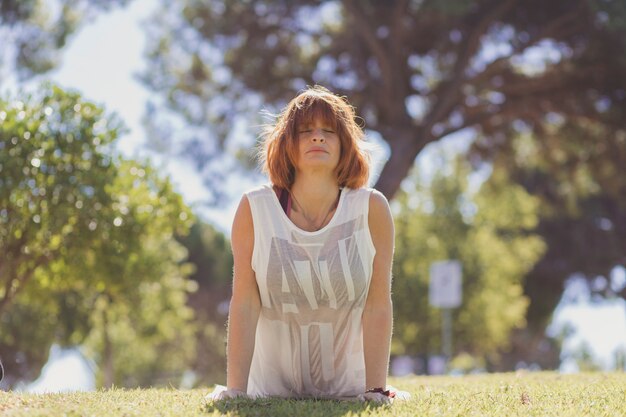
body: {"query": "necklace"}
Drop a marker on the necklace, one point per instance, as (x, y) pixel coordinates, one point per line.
(311, 222)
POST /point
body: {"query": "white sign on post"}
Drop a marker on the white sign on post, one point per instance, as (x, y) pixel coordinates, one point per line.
(445, 284)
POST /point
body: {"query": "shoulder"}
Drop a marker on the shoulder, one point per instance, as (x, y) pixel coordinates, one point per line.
(375, 201)
(364, 194)
(250, 198)
(243, 217)
(378, 202)
(379, 217)
(261, 190)
(248, 207)
(378, 205)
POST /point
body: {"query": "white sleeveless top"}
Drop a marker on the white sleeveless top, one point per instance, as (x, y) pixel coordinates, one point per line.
(313, 287)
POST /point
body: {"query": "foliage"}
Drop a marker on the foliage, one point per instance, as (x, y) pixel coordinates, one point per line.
(574, 167)
(590, 394)
(584, 359)
(490, 232)
(33, 35)
(417, 71)
(575, 172)
(550, 72)
(141, 327)
(209, 250)
(26, 334)
(89, 245)
(149, 336)
(55, 169)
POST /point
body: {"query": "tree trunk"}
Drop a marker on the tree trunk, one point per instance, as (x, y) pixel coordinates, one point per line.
(404, 150)
(107, 354)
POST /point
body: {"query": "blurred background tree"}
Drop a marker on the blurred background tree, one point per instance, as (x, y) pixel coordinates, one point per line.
(34, 32)
(52, 192)
(139, 324)
(418, 72)
(141, 329)
(209, 252)
(536, 88)
(90, 254)
(55, 167)
(577, 170)
(490, 230)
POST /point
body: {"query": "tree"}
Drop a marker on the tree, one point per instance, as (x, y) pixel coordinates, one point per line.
(33, 36)
(209, 252)
(419, 71)
(416, 71)
(89, 244)
(490, 232)
(55, 169)
(142, 330)
(576, 171)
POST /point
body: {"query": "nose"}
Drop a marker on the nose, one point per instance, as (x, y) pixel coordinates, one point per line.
(318, 136)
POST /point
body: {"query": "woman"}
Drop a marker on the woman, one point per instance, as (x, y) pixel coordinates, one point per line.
(311, 311)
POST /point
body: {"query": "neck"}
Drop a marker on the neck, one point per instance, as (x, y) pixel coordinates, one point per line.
(315, 193)
(315, 200)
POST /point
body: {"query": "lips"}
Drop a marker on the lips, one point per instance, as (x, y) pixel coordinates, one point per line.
(316, 149)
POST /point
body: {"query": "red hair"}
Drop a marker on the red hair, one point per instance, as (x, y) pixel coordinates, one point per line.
(280, 146)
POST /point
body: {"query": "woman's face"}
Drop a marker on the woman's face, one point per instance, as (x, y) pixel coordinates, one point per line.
(318, 145)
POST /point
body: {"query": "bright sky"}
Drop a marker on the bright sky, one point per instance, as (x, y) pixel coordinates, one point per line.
(101, 62)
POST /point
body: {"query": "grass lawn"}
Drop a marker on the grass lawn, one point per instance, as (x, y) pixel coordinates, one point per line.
(527, 394)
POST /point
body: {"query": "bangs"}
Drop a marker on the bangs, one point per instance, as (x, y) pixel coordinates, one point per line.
(312, 109)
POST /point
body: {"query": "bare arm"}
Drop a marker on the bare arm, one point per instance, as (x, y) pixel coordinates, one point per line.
(245, 303)
(377, 316)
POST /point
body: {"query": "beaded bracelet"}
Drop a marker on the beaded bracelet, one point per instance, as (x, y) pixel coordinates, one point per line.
(379, 390)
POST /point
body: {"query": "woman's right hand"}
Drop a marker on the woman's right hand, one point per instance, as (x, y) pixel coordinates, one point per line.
(222, 393)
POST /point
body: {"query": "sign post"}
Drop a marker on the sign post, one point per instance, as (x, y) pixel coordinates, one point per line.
(445, 293)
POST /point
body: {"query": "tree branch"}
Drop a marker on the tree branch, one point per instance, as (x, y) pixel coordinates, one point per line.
(562, 26)
(467, 49)
(367, 31)
(549, 82)
(476, 119)
(11, 290)
(397, 31)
